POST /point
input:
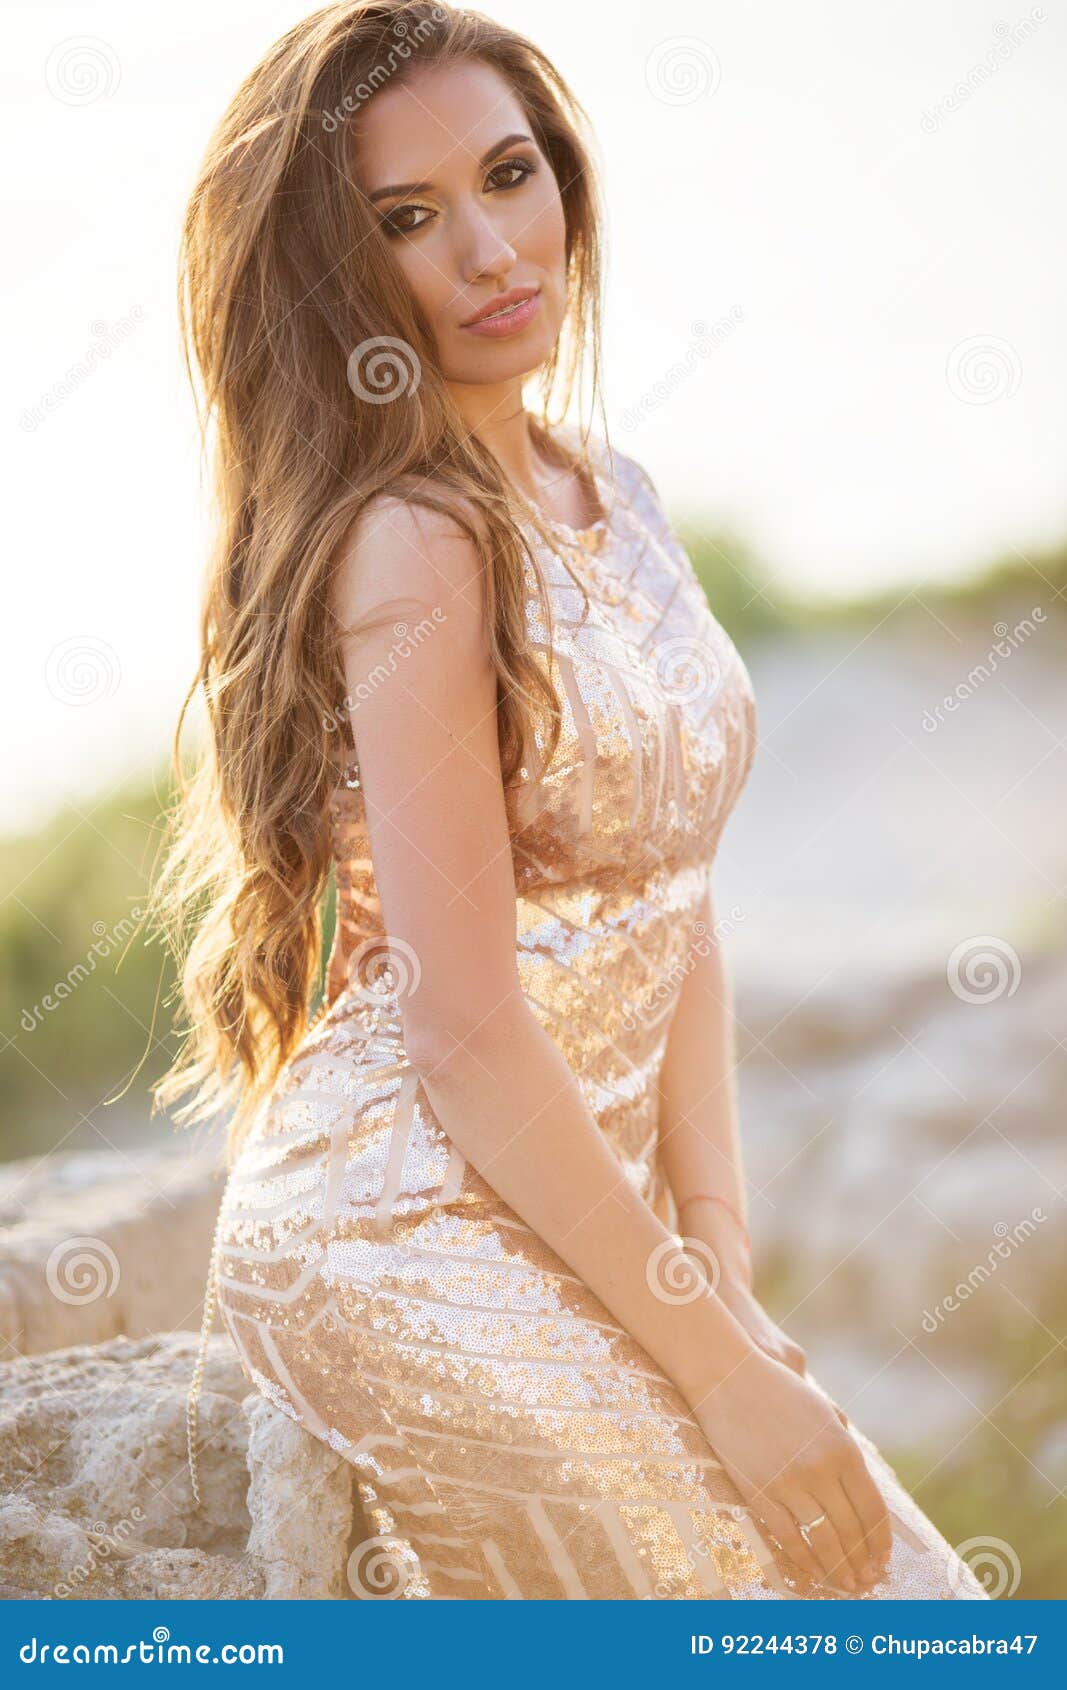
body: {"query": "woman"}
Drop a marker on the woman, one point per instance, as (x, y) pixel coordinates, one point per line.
(458, 654)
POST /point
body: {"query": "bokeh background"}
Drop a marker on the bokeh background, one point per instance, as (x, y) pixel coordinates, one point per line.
(834, 338)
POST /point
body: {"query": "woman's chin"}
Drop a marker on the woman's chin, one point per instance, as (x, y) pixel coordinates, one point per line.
(501, 360)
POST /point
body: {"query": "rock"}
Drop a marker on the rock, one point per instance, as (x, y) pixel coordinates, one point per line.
(95, 1493)
(82, 1238)
(300, 1501)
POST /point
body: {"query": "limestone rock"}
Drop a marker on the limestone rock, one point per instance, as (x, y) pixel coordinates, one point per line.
(300, 1502)
(82, 1238)
(95, 1492)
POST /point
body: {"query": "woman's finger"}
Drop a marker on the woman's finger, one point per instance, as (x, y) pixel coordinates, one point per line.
(825, 1538)
(794, 1357)
(781, 1523)
(784, 1353)
(870, 1505)
(854, 1538)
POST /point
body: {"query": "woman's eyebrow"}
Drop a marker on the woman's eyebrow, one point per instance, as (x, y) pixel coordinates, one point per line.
(421, 187)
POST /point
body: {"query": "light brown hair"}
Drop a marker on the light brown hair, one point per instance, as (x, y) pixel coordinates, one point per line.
(284, 275)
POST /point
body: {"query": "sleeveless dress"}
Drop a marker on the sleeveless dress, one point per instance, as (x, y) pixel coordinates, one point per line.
(509, 1439)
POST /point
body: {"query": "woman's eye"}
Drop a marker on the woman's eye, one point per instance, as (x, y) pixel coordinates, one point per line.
(522, 165)
(394, 223)
(399, 220)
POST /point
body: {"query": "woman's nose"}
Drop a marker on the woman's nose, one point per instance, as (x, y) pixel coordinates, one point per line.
(484, 251)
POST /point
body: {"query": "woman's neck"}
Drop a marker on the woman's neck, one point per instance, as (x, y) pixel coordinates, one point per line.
(503, 425)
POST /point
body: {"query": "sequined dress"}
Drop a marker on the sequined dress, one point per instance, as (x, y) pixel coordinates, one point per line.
(508, 1438)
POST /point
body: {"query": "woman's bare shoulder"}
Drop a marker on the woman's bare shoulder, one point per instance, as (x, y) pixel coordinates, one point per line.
(400, 553)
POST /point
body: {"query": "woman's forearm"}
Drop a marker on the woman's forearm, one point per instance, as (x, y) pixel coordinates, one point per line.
(506, 1096)
(700, 1144)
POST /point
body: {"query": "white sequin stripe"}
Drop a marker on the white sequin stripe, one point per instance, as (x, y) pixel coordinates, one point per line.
(265, 1169)
(399, 1137)
(453, 1180)
(308, 1415)
(453, 1258)
(586, 738)
(633, 728)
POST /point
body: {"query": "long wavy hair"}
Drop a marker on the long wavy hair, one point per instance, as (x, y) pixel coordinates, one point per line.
(289, 300)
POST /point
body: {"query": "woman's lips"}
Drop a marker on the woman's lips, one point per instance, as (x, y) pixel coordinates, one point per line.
(506, 322)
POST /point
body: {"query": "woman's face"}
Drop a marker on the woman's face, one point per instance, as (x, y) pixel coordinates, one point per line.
(472, 210)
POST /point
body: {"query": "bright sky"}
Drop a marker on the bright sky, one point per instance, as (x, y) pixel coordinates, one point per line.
(857, 202)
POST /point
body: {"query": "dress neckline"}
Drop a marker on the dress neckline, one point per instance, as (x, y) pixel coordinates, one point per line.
(591, 556)
(592, 538)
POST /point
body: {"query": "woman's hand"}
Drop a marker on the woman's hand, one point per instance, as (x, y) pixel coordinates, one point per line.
(766, 1334)
(763, 1331)
(781, 1442)
(717, 1230)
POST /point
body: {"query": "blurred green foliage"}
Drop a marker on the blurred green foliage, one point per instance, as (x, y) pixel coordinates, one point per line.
(77, 1019)
(997, 1483)
(750, 602)
(87, 997)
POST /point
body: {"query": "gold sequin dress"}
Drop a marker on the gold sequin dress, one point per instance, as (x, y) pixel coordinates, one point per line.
(509, 1440)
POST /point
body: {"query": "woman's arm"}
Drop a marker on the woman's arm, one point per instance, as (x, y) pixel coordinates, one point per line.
(700, 1141)
(425, 731)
